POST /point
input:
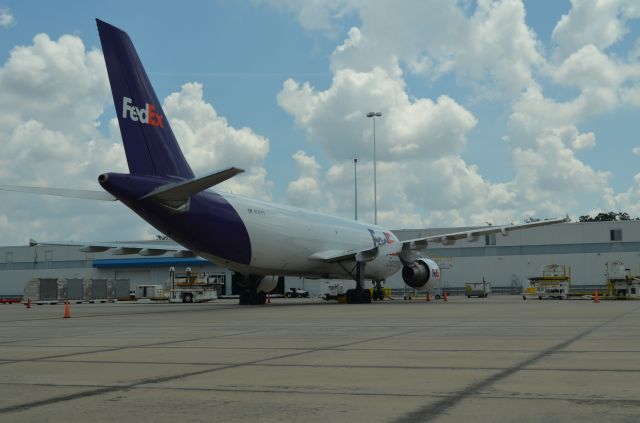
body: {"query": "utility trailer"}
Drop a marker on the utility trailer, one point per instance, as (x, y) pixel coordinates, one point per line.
(477, 289)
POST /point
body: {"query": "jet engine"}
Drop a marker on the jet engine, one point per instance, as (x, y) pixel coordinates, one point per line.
(268, 284)
(419, 272)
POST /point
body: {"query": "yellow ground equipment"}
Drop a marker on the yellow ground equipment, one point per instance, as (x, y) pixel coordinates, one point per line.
(620, 283)
(554, 283)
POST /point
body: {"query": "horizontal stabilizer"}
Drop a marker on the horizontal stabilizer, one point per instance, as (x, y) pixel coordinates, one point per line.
(62, 192)
(182, 190)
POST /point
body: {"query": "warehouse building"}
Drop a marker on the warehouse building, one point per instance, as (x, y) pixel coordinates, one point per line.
(509, 261)
(20, 264)
(505, 261)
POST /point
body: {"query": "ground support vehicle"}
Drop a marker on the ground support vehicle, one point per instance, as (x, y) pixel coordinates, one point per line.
(193, 288)
(621, 283)
(296, 293)
(193, 294)
(554, 283)
(335, 292)
(477, 289)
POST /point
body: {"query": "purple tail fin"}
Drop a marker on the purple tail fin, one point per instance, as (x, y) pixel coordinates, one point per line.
(149, 143)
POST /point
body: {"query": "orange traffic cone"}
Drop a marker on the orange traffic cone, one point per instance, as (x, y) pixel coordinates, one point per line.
(67, 310)
(446, 296)
(427, 297)
(596, 297)
(28, 303)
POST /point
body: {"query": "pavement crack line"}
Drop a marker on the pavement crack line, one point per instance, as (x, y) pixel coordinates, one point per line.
(432, 411)
(111, 389)
(128, 347)
(128, 314)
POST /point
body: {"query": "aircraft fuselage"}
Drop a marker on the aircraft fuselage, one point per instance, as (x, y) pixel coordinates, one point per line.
(258, 237)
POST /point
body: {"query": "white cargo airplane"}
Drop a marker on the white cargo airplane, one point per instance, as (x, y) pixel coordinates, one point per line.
(259, 240)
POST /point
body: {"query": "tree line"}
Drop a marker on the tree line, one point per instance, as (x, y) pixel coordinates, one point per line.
(607, 217)
(600, 217)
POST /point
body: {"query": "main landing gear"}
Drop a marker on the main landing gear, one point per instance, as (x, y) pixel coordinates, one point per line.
(359, 295)
(378, 292)
(253, 297)
(248, 289)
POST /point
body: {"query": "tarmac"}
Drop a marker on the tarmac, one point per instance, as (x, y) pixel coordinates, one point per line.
(499, 359)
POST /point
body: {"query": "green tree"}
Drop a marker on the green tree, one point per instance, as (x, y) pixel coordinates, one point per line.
(607, 217)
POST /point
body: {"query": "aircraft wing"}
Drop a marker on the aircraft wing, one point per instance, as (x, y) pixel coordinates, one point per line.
(334, 256)
(62, 192)
(474, 234)
(408, 247)
(124, 248)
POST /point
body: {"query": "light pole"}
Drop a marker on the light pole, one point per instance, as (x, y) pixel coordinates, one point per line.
(375, 189)
(355, 184)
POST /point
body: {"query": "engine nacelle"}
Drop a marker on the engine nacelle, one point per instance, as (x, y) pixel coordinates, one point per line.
(268, 284)
(418, 273)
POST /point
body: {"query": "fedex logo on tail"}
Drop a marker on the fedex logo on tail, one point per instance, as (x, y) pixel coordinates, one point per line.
(147, 115)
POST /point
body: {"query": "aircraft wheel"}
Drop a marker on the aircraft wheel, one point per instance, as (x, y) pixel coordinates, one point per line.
(244, 298)
(187, 298)
(351, 296)
(261, 298)
(365, 296)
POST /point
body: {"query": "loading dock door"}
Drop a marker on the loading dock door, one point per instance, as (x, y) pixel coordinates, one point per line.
(48, 289)
(75, 289)
(120, 288)
(98, 289)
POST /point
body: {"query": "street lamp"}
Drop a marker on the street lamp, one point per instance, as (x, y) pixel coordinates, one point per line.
(355, 184)
(375, 190)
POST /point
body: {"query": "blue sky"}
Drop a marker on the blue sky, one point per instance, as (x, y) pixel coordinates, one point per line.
(492, 111)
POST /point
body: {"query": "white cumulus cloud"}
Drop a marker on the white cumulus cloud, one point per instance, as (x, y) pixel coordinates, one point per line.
(210, 143)
(335, 118)
(600, 23)
(6, 18)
